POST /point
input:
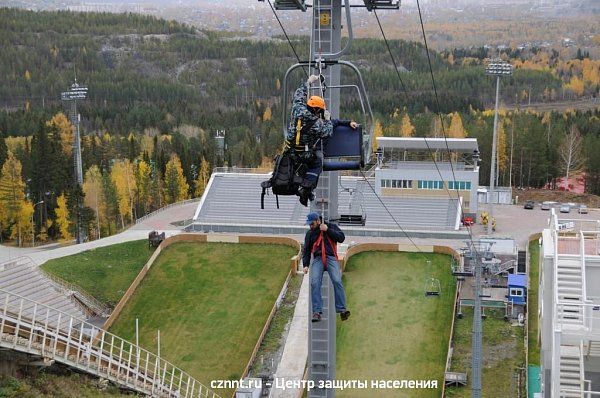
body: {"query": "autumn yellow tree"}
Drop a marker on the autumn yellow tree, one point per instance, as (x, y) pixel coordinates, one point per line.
(12, 195)
(23, 230)
(66, 130)
(406, 127)
(377, 132)
(576, 86)
(94, 199)
(42, 236)
(591, 72)
(123, 177)
(267, 114)
(266, 164)
(176, 188)
(456, 127)
(63, 218)
(203, 177)
(143, 184)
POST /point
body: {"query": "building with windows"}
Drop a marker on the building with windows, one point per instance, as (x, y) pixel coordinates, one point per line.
(569, 308)
(429, 168)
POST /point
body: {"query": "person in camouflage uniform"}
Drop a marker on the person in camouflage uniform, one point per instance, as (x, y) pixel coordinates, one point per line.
(310, 124)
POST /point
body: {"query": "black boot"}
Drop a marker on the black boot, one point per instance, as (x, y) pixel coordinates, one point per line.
(304, 194)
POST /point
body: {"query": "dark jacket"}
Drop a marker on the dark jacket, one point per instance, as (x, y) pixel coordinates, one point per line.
(333, 231)
(316, 127)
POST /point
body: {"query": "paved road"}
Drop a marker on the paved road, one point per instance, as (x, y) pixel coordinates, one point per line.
(579, 104)
(161, 221)
(518, 223)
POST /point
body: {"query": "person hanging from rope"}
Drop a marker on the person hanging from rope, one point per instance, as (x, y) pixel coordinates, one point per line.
(321, 242)
(310, 124)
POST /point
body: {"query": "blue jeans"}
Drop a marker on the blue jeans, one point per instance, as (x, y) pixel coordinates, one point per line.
(316, 279)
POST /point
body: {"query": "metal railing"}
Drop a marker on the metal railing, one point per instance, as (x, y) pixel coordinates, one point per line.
(243, 170)
(82, 299)
(16, 262)
(183, 202)
(70, 289)
(56, 335)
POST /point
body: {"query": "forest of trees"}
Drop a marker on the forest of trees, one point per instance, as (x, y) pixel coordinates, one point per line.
(159, 90)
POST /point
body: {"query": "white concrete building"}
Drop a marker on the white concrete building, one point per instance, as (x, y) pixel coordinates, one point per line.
(569, 308)
(408, 169)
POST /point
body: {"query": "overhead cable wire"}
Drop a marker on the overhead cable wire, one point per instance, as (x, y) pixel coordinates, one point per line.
(362, 172)
(286, 36)
(391, 215)
(439, 112)
(441, 119)
(390, 51)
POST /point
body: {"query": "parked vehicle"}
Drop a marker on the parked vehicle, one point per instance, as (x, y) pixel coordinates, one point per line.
(582, 209)
(529, 205)
(565, 208)
(546, 206)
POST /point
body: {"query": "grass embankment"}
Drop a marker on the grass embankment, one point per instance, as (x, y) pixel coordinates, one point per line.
(395, 331)
(503, 354)
(106, 272)
(210, 302)
(533, 348)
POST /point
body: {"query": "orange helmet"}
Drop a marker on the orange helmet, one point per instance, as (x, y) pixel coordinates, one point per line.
(316, 102)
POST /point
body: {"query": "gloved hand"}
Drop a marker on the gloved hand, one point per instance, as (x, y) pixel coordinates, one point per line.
(312, 79)
(353, 125)
(326, 115)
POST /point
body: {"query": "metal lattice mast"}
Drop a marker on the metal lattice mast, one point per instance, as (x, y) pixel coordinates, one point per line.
(70, 97)
(477, 328)
(326, 45)
(478, 251)
(326, 42)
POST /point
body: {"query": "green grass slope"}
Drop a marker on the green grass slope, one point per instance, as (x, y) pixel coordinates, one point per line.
(210, 302)
(106, 272)
(395, 331)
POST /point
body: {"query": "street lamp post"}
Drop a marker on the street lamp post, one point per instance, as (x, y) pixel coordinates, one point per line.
(33, 225)
(75, 93)
(498, 68)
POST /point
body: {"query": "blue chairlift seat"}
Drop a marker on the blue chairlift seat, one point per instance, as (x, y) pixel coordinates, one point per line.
(343, 150)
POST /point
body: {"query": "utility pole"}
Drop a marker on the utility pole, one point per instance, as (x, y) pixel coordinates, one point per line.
(70, 97)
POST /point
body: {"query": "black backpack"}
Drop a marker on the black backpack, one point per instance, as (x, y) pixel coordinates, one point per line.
(284, 181)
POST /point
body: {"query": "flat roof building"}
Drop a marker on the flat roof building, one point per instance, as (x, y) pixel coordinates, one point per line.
(429, 168)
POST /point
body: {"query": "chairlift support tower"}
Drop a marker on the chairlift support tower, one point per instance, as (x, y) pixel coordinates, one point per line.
(326, 39)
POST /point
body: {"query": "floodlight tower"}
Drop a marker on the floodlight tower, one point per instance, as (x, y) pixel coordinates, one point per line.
(498, 68)
(70, 98)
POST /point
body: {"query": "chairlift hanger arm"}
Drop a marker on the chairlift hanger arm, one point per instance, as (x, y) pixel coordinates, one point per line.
(370, 5)
(362, 96)
(301, 5)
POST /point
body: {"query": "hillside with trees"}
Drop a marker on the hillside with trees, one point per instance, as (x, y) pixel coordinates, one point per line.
(158, 91)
